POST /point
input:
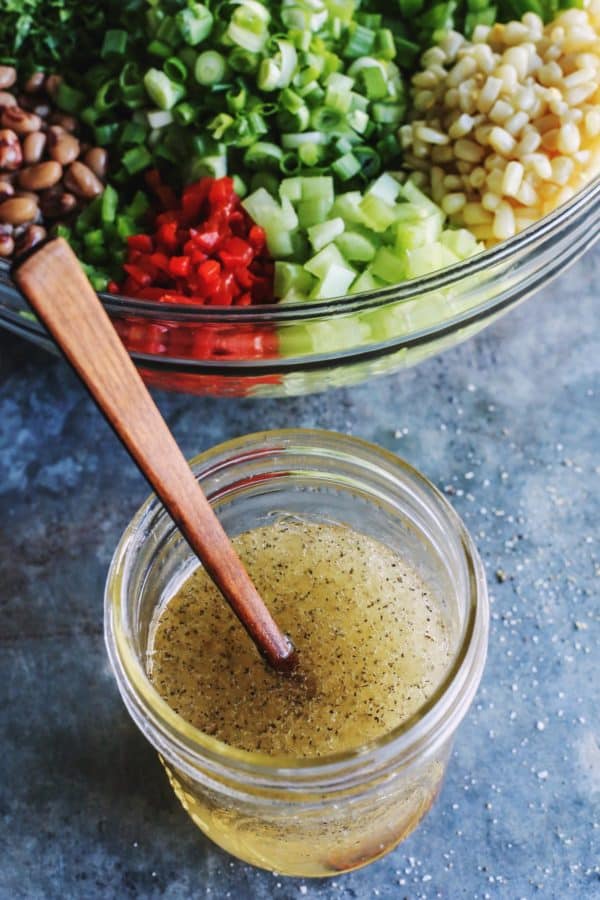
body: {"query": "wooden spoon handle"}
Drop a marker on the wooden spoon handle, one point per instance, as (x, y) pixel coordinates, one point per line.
(61, 295)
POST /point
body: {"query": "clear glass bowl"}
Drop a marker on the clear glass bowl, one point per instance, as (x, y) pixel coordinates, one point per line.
(282, 349)
(320, 815)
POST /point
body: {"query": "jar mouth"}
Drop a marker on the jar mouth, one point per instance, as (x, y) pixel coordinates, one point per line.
(443, 710)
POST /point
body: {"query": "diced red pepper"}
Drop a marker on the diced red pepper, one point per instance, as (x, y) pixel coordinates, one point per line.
(205, 249)
(141, 242)
(180, 266)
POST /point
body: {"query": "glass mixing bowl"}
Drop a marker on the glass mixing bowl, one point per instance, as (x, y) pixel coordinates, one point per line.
(285, 349)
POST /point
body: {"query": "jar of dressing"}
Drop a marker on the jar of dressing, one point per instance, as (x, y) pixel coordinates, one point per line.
(342, 781)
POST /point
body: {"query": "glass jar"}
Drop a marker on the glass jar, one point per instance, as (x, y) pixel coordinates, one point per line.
(334, 813)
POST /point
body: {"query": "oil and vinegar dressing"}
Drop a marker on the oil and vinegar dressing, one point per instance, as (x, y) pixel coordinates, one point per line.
(371, 637)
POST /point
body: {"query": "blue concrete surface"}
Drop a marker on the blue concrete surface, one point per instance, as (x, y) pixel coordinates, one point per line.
(507, 426)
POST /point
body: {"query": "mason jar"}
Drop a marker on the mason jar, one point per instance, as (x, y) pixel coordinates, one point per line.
(303, 816)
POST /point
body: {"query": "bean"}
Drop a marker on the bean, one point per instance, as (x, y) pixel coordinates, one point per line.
(63, 146)
(34, 83)
(33, 147)
(7, 245)
(40, 177)
(51, 84)
(32, 236)
(6, 190)
(42, 110)
(8, 76)
(7, 99)
(11, 155)
(69, 123)
(20, 120)
(97, 159)
(82, 182)
(55, 204)
(18, 210)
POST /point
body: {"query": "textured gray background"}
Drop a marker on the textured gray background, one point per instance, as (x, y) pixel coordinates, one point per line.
(507, 426)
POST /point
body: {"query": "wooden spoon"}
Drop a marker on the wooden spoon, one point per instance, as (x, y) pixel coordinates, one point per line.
(56, 286)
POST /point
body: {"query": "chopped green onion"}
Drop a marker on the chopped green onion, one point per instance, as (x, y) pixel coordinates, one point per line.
(136, 159)
(69, 99)
(159, 48)
(110, 202)
(159, 118)
(175, 69)
(210, 68)
(194, 23)
(114, 43)
(263, 155)
(161, 90)
(360, 41)
(346, 167)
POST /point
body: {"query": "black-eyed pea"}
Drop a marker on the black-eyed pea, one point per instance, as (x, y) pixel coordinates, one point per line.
(33, 147)
(97, 160)
(69, 123)
(7, 99)
(81, 181)
(30, 237)
(40, 177)
(56, 204)
(18, 210)
(34, 83)
(7, 245)
(11, 155)
(20, 120)
(51, 84)
(62, 145)
(8, 76)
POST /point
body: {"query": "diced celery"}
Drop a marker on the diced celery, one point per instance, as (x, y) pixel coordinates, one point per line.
(425, 260)
(389, 266)
(366, 282)
(291, 188)
(313, 211)
(292, 277)
(279, 242)
(418, 233)
(348, 207)
(377, 214)
(356, 246)
(335, 283)
(318, 187)
(324, 233)
(461, 242)
(322, 261)
(409, 191)
(386, 187)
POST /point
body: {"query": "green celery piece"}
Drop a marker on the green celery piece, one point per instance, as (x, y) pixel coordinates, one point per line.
(348, 207)
(291, 188)
(419, 232)
(386, 187)
(320, 264)
(335, 283)
(318, 187)
(313, 211)
(357, 246)
(292, 277)
(366, 281)
(460, 242)
(377, 214)
(325, 232)
(425, 260)
(389, 266)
